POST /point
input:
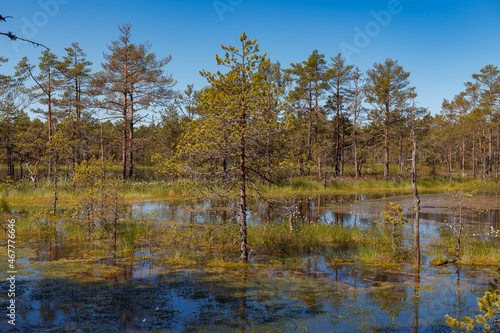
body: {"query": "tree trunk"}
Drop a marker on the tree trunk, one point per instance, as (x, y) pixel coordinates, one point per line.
(125, 110)
(337, 145)
(243, 198)
(243, 202)
(21, 166)
(483, 161)
(497, 161)
(316, 112)
(310, 131)
(449, 164)
(490, 148)
(124, 148)
(77, 97)
(224, 167)
(401, 161)
(319, 167)
(130, 154)
(354, 138)
(115, 225)
(10, 167)
(386, 146)
(416, 297)
(49, 101)
(89, 223)
(462, 151)
(131, 139)
(473, 154)
(33, 174)
(460, 225)
(268, 151)
(342, 153)
(356, 173)
(416, 199)
(393, 239)
(55, 187)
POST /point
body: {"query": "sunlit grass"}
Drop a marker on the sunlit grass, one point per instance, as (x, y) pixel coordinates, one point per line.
(364, 185)
(475, 250)
(480, 252)
(341, 243)
(21, 194)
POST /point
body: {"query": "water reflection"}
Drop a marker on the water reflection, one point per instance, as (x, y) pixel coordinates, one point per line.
(483, 211)
(315, 294)
(318, 294)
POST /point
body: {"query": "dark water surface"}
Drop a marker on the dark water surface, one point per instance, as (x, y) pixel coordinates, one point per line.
(313, 295)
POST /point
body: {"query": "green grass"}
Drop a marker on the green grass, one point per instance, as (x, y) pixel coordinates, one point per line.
(339, 243)
(474, 251)
(201, 244)
(348, 185)
(128, 234)
(152, 189)
(22, 195)
(220, 242)
(480, 252)
(205, 243)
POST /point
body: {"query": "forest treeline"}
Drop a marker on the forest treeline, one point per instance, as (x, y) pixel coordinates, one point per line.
(314, 117)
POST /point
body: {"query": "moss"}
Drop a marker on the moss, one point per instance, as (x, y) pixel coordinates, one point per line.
(440, 262)
(445, 272)
(178, 262)
(341, 261)
(225, 264)
(77, 268)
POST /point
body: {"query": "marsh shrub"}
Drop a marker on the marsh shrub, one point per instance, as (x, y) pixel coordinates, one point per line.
(4, 207)
(394, 219)
(128, 236)
(488, 321)
(217, 239)
(100, 197)
(274, 238)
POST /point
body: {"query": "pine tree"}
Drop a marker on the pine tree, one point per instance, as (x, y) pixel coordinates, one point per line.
(310, 84)
(75, 80)
(13, 102)
(355, 98)
(339, 75)
(489, 79)
(45, 90)
(132, 80)
(386, 89)
(232, 119)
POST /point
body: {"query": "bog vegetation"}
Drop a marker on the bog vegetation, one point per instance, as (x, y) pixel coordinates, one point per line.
(109, 133)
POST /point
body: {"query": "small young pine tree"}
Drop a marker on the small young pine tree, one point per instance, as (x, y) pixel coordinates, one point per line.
(489, 321)
(393, 217)
(100, 196)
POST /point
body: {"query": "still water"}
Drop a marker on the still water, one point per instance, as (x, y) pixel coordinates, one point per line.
(312, 295)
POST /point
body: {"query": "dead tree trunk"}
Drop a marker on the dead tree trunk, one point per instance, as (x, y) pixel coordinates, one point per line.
(416, 199)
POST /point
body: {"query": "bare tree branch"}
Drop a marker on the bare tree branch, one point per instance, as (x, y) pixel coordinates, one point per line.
(11, 36)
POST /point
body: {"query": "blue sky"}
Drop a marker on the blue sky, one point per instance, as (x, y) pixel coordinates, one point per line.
(440, 42)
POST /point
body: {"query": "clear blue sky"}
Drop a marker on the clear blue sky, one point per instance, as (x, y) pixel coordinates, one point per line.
(440, 42)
